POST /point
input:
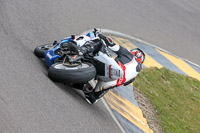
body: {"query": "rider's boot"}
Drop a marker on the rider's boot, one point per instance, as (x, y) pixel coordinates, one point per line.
(89, 94)
(92, 95)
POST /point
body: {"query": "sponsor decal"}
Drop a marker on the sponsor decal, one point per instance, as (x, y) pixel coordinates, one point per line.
(113, 73)
(48, 54)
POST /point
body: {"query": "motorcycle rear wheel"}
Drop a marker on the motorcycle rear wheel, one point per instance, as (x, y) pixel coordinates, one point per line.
(65, 74)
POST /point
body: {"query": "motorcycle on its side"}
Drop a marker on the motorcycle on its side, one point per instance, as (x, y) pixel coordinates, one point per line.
(67, 66)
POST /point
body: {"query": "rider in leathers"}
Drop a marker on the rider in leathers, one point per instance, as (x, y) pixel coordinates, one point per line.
(129, 65)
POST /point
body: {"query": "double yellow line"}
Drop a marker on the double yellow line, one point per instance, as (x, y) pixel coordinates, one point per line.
(127, 110)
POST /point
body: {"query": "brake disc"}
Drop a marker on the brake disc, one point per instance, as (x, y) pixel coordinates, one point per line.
(71, 64)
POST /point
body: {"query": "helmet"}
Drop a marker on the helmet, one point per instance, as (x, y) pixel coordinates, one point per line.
(138, 54)
(81, 40)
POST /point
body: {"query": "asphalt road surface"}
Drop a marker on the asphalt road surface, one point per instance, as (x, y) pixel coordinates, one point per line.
(31, 102)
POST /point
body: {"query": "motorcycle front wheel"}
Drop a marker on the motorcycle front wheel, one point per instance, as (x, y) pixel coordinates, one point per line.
(72, 74)
(40, 50)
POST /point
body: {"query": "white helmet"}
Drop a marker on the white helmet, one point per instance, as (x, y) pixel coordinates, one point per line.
(81, 40)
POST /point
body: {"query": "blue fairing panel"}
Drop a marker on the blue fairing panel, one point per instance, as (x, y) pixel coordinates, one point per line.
(50, 56)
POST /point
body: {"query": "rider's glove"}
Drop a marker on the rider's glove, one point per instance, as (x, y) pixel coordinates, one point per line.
(106, 40)
(90, 47)
(82, 50)
(96, 32)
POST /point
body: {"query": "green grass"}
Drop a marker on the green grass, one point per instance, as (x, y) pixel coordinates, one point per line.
(175, 97)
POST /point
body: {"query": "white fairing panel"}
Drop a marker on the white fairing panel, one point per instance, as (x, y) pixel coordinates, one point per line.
(112, 69)
(104, 85)
(130, 73)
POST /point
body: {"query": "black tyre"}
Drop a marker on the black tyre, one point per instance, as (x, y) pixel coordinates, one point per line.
(65, 74)
(40, 50)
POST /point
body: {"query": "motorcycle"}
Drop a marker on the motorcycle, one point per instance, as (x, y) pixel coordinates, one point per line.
(67, 66)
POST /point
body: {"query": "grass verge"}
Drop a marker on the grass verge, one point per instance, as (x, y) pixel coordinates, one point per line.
(176, 98)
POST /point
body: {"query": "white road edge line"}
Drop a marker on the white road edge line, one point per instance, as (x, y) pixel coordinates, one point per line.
(113, 115)
(138, 40)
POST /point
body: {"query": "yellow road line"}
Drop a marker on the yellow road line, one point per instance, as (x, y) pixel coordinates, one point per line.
(128, 110)
(149, 62)
(127, 43)
(181, 65)
(118, 42)
(123, 42)
(128, 105)
(122, 105)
